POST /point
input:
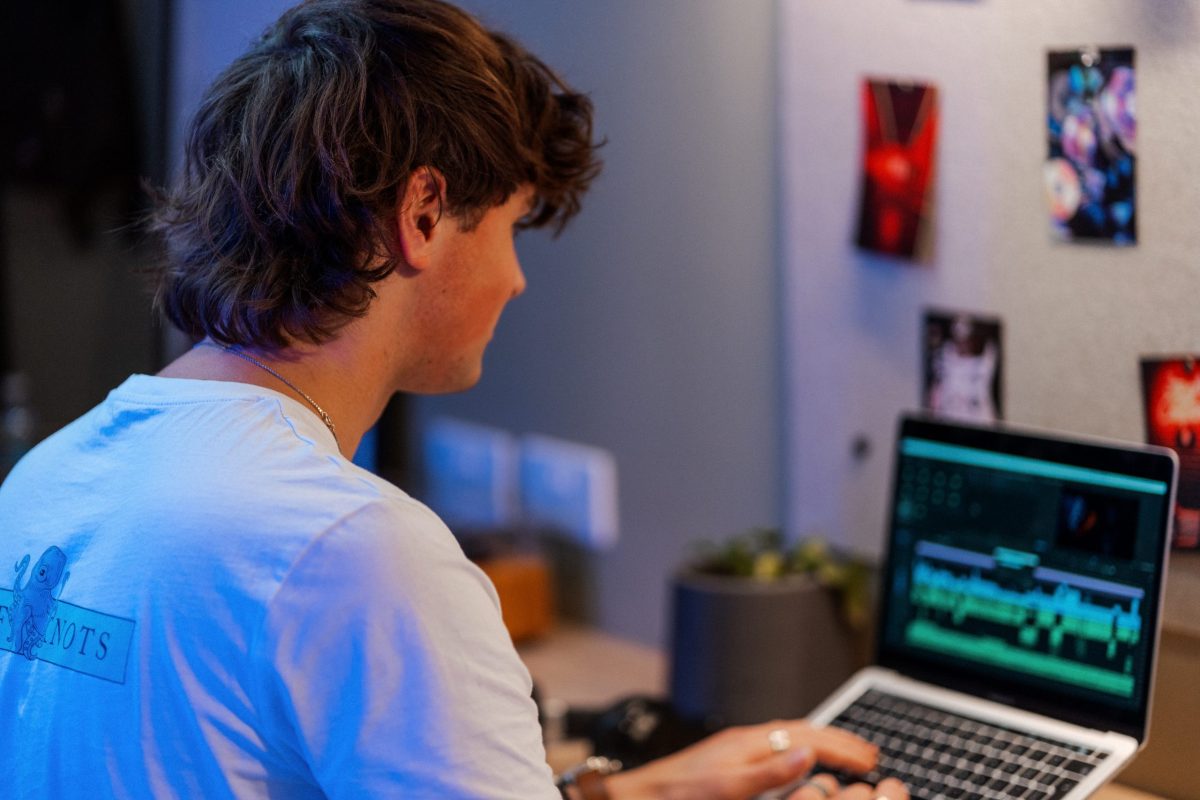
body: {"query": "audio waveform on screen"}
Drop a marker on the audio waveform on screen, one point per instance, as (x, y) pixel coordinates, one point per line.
(1006, 610)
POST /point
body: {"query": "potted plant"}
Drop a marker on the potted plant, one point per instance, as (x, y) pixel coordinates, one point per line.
(762, 630)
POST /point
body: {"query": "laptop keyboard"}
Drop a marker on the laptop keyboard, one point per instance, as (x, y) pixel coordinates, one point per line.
(943, 755)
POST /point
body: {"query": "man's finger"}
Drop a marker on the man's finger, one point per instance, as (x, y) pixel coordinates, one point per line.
(892, 789)
(818, 787)
(841, 749)
(777, 770)
(859, 791)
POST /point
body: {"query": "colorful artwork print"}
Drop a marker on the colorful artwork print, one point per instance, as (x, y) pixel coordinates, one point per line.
(962, 366)
(1171, 398)
(900, 126)
(1091, 127)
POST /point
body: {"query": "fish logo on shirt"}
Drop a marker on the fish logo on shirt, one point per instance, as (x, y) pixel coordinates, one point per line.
(38, 624)
(34, 604)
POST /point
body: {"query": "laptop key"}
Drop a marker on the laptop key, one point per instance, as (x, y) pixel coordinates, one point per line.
(1080, 767)
(1062, 787)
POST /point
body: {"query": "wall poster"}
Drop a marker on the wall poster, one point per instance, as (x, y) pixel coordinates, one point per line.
(962, 366)
(900, 125)
(1171, 399)
(1091, 129)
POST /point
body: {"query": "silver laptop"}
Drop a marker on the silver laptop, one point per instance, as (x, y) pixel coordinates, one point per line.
(1019, 622)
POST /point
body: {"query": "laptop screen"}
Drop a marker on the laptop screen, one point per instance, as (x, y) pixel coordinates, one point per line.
(1028, 569)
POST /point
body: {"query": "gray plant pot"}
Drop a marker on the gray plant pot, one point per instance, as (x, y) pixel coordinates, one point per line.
(746, 651)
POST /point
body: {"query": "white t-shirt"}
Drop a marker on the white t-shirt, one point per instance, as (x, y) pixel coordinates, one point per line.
(208, 601)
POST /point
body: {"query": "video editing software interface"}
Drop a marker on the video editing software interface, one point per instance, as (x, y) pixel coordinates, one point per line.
(1018, 567)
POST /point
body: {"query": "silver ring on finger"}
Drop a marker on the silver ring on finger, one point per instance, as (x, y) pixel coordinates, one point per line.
(820, 787)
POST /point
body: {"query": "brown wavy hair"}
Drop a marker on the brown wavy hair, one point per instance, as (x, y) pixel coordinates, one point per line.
(301, 148)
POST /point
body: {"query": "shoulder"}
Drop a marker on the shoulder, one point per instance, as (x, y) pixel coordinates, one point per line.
(386, 552)
(378, 513)
(384, 524)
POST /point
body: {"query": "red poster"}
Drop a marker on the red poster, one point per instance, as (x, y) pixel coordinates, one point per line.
(900, 135)
(1171, 393)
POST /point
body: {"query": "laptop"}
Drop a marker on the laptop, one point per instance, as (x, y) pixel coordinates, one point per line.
(1020, 607)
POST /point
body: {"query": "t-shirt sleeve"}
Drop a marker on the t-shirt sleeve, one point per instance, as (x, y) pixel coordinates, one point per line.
(386, 665)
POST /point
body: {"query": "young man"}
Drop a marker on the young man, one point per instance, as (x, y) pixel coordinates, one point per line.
(223, 606)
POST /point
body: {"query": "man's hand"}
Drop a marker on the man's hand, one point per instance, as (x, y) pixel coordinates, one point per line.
(740, 763)
(825, 787)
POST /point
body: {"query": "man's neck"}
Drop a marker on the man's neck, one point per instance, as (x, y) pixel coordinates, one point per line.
(337, 377)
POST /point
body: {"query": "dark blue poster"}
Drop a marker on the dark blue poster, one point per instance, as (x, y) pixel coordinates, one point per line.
(1091, 119)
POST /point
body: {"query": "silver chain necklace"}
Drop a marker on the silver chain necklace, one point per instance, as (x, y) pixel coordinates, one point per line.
(320, 411)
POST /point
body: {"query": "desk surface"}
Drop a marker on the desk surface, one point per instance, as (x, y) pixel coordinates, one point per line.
(586, 668)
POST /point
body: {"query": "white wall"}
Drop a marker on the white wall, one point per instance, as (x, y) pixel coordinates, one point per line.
(1077, 317)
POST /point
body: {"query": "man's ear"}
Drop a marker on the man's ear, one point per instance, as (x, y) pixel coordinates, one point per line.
(418, 214)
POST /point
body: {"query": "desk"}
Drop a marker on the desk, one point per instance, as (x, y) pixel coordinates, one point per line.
(591, 669)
